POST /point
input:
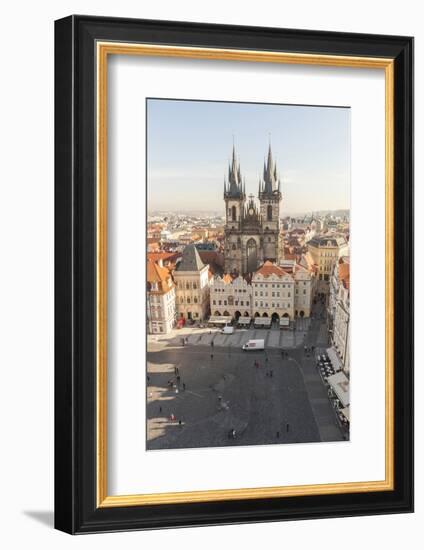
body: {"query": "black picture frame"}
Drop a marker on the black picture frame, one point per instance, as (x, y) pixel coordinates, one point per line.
(76, 510)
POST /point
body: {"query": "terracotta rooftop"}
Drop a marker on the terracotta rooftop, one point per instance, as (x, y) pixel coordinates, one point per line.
(344, 274)
(269, 268)
(159, 275)
(156, 256)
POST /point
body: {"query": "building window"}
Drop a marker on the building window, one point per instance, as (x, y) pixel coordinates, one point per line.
(188, 300)
(233, 213)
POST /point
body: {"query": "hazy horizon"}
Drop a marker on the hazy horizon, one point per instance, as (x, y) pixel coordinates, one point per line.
(189, 145)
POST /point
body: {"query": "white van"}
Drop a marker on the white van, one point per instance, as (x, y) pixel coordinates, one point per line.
(254, 345)
(227, 330)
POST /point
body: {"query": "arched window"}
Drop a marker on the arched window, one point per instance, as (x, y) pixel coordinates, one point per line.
(233, 213)
(269, 212)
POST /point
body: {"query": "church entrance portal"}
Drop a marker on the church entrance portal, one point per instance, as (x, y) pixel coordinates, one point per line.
(252, 256)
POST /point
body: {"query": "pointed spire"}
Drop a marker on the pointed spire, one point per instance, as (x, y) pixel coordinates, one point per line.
(234, 186)
(270, 173)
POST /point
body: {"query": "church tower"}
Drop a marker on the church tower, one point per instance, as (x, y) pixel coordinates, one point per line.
(270, 197)
(234, 197)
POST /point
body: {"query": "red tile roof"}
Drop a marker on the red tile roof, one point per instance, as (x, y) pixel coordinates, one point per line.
(159, 275)
(269, 268)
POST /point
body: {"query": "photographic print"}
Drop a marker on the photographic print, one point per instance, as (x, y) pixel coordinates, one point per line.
(248, 274)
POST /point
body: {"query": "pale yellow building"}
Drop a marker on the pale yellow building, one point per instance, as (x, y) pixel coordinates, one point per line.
(192, 282)
(325, 251)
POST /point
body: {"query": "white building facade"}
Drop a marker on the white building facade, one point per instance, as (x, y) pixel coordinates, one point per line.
(230, 296)
(160, 299)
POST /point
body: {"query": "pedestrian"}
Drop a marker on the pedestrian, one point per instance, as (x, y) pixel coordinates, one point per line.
(148, 378)
(182, 341)
(278, 435)
(271, 373)
(233, 433)
(287, 427)
(180, 423)
(178, 378)
(172, 417)
(160, 409)
(184, 386)
(211, 355)
(266, 358)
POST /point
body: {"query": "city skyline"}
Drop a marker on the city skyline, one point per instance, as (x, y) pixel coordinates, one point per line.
(189, 145)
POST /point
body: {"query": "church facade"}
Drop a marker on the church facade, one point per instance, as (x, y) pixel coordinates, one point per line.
(252, 233)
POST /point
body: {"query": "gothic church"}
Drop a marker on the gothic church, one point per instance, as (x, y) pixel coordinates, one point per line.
(252, 235)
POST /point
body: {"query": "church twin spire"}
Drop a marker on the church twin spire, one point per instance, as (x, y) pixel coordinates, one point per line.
(235, 187)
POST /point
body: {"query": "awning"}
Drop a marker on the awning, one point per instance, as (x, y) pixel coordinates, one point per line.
(263, 321)
(334, 358)
(244, 320)
(340, 384)
(220, 320)
(346, 413)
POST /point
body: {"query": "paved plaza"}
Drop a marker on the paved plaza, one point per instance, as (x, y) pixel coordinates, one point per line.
(203, 395)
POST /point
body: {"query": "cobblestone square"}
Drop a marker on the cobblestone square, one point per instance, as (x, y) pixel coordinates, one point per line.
(210, 393)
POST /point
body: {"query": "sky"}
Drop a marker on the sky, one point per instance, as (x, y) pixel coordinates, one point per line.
(189, 146)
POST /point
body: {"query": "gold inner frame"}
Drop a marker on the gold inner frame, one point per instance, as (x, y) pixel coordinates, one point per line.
(104, 49)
